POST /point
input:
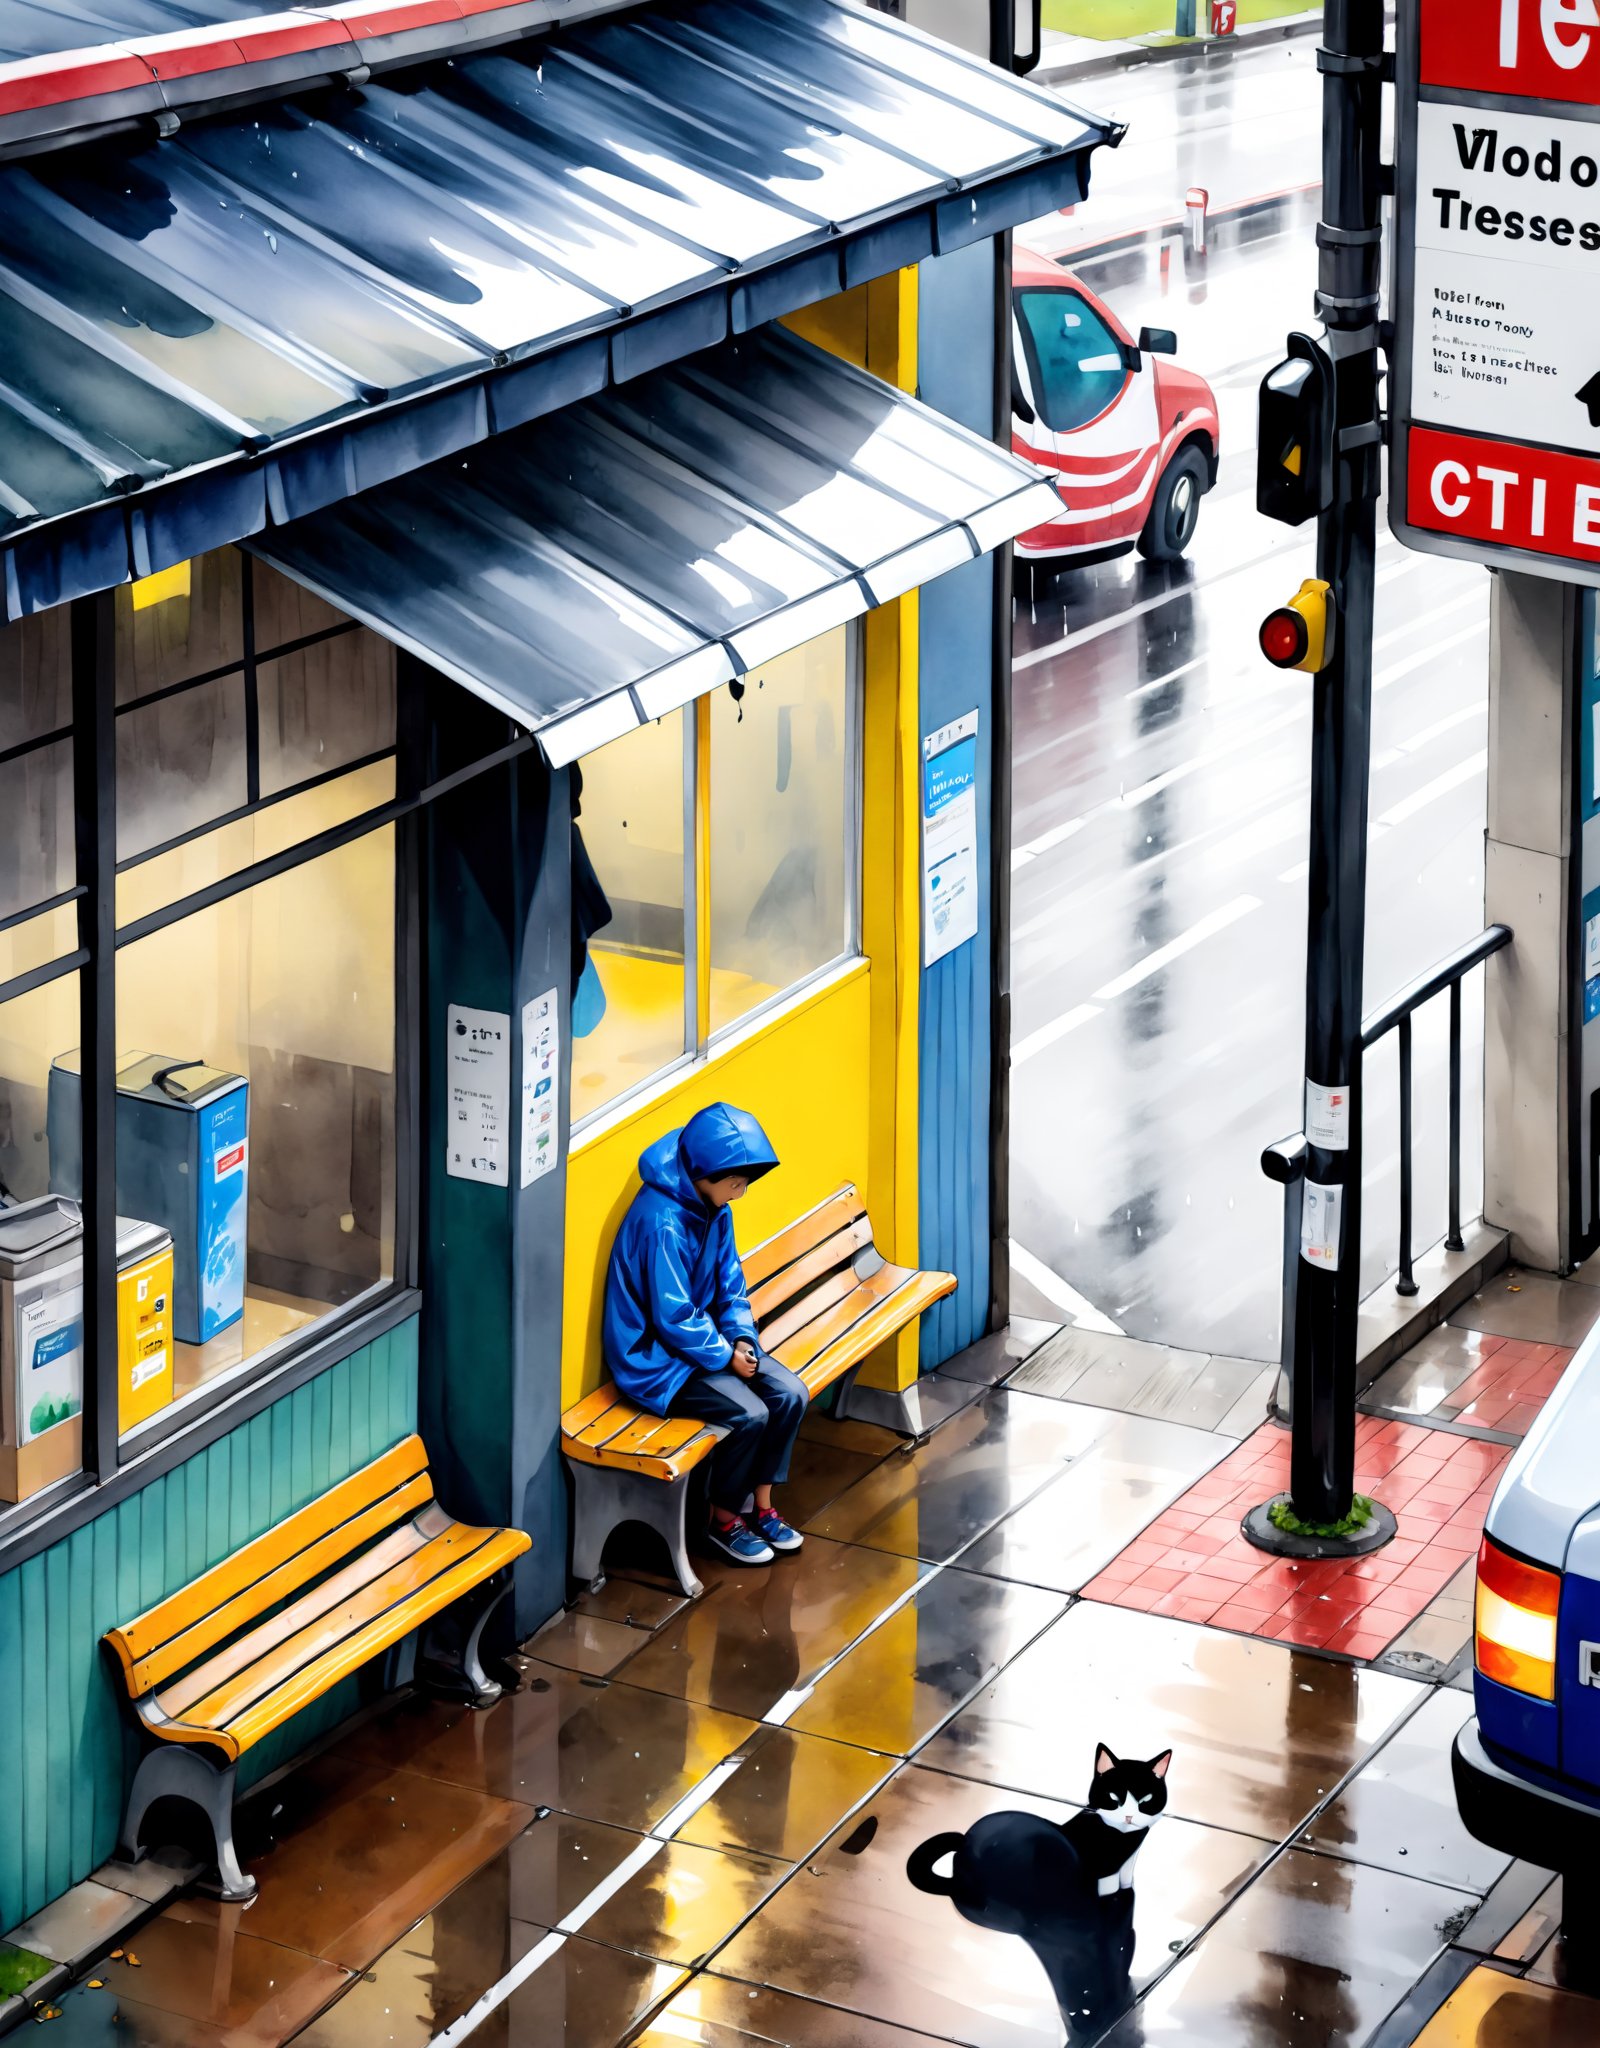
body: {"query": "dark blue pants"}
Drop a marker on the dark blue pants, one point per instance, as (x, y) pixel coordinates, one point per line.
(762, 1417)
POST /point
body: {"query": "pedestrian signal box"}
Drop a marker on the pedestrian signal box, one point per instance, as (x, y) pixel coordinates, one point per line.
(1294, 443)
(1299, 634)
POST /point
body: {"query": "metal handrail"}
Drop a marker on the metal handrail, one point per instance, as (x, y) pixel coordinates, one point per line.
(1438, 978)
(1396, 1015)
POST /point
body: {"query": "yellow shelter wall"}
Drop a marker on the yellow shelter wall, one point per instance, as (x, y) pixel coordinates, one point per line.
(805, 1074)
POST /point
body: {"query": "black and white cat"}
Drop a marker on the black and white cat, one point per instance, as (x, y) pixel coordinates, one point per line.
(1065, 1887)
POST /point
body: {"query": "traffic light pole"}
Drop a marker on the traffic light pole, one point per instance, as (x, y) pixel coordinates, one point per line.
(1322, 1336)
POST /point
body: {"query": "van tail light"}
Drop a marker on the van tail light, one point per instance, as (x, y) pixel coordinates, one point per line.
(1516, 1622)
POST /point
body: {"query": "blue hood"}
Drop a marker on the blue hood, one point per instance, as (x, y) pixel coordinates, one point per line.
(717, 1140)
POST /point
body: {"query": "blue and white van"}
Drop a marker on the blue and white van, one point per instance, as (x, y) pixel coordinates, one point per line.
(1527, 1765)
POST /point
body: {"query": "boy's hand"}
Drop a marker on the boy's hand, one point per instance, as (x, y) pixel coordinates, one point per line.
(744, 1360)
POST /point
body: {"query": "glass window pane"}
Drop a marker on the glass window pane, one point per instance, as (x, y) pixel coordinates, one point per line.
(286, 610)
(180, 763)
(41, 1265)
(271, 1157)
(166, 877)
(1074, 359)
(780, 814)
(325, 707)
(627, 1013)
(187, 622)
(35, 677)
(37, 854)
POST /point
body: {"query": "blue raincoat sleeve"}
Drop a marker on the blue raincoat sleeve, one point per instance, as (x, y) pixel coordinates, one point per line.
(731, 1307)
(690, 1333)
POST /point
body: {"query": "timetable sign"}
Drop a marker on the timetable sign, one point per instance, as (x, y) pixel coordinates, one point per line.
(1495, 411)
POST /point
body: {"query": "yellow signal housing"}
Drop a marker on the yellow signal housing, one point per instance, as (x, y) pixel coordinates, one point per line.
(1300, 633)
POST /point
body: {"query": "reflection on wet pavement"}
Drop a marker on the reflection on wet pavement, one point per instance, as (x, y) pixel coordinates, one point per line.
(347, 1856)
(758, 1635)
(583, 1996)
(955, 1632)
(851, 1928)
(1401, 1810)
(789, 1793)
(1260, 1733)
(714, 2012)
(603, 1750)
(197, 1982)
(1079, 1522)
(984, 1462)
(1313, 1955)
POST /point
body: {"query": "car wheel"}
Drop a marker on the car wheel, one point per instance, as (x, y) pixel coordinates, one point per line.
(1176, 511)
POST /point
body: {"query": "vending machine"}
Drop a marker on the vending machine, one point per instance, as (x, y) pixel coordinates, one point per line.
(183, 1161)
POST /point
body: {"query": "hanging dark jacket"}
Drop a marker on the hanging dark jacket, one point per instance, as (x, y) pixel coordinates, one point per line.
(675, 1292)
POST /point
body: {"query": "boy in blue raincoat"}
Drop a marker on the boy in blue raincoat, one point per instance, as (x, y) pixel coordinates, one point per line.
(679, 1336)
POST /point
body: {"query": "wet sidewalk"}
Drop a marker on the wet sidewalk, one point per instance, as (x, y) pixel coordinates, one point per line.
(692, 1823)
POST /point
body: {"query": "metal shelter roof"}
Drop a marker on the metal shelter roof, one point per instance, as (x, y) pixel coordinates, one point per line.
(254, 317)
(595, 570)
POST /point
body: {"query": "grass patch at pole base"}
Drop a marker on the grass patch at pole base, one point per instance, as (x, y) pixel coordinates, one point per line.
(1283, 1517)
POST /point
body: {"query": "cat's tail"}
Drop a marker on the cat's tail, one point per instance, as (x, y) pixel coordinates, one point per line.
(919, 1864)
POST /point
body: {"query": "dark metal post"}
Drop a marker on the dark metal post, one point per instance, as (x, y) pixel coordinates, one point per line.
(1406, 1283)
(94, 789)
(1000, 791)
(1322, 1464)
(1454, 1242)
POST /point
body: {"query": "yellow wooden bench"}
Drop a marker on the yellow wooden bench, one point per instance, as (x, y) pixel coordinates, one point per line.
(823, 1297)
(231, 1657)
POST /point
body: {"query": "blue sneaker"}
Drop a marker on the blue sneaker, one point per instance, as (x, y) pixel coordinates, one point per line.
(771, 1526)
(737, 1542)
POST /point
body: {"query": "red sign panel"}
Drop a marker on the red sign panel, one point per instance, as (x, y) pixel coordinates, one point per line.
(1534, 49)
(1504, 493)
(1224, 17)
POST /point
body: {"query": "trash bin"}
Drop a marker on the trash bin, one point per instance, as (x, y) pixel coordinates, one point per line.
(41, 1337)
(183, 1162)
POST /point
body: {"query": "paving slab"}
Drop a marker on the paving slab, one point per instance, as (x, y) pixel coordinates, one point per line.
(1534, 1306)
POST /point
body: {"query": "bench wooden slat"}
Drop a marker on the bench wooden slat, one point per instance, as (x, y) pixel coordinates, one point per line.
(182, 1650)
(885, 1288)
(504, 1547)
(219, 1703)
(367, 1640)
(836, 1250)
(286, 1557)
(175, 1700)
(593, 1408)
(836, 1288)
(803, 1236)
(878, 1324)
(652, 1463)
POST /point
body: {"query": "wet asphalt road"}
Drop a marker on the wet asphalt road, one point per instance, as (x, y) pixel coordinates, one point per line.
(1162, 792)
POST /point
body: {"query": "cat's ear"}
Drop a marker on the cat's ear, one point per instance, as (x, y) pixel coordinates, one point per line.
(1103, 1760)
(1159, 1763)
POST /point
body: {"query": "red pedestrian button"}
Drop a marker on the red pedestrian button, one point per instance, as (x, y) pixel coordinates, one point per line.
(1284, 637)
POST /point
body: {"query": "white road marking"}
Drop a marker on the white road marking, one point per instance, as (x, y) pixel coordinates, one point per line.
(1048, 1034)
(1060, 1293)
(1084, 634)
(1441, 785)
(1163, 956)
(1056, 836)
(1385, 677)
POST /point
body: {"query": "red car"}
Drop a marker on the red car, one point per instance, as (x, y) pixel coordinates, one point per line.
(1130, 442)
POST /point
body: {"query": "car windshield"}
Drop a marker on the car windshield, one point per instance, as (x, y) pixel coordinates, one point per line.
(1074, 360)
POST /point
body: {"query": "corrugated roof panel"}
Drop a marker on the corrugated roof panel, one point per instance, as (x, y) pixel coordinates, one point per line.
(645, 545)
(254, 282)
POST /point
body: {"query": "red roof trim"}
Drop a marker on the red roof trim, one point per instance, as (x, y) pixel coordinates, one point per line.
(31, 82)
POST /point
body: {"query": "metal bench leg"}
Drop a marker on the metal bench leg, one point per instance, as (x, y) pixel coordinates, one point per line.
(178, 1771)
(604, 1498)
(455, 1664)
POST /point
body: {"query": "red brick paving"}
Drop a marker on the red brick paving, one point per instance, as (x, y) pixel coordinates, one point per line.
(1509, 1385)
(1193, 1563)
